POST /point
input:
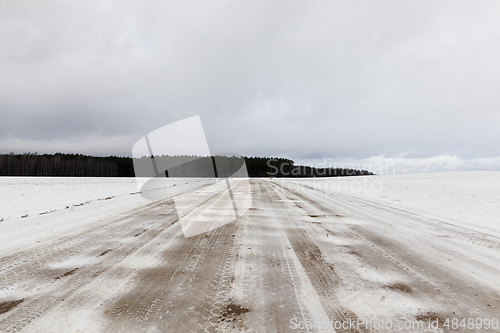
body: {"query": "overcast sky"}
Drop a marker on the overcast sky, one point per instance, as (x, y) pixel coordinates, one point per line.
(413, 83)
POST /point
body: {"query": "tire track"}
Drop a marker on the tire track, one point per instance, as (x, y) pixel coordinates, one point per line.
(168, 296)
(322, 274)
(61, 291)
(435, 285)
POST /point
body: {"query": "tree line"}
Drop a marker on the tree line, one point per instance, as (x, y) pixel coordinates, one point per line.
(62, 165)
(78, 165)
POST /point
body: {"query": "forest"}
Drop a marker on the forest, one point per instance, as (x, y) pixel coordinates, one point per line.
(78, 165)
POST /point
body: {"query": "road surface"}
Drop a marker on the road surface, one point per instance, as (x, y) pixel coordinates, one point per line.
(298, 260)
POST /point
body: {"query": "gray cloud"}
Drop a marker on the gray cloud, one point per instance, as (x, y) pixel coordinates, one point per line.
(342, 79)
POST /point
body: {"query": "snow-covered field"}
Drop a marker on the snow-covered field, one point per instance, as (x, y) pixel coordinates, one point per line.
(21, 196)
(468, 197)
(34, 208)
(419, 252)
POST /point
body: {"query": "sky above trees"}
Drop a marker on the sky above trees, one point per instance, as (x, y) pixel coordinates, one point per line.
(407, 82)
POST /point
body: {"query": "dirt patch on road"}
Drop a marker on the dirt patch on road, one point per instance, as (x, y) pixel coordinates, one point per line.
(429, 316)
(66, 274)
(103, 253)
(353, 252)
(315, 215)
(140, 233)
(233, 310)
(7, 306)
(400, 287)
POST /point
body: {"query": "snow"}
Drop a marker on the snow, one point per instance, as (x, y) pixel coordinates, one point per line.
(380, 233)
(34, 207)
(21, 196)
(469, 198)
(37, 208)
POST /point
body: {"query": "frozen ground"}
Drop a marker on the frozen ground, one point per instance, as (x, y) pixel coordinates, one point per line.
(472, 197)
(30, 196)
(412, 251)
(34, 208)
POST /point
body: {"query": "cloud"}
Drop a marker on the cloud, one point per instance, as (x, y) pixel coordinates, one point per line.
(92, 145)
(382, 165)
(305, 80)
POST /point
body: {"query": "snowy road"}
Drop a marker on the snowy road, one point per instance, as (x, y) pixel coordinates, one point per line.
(299, 259)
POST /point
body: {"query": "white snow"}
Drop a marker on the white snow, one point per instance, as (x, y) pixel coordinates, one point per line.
(469, 198)
(20, 196)
(35, 208)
